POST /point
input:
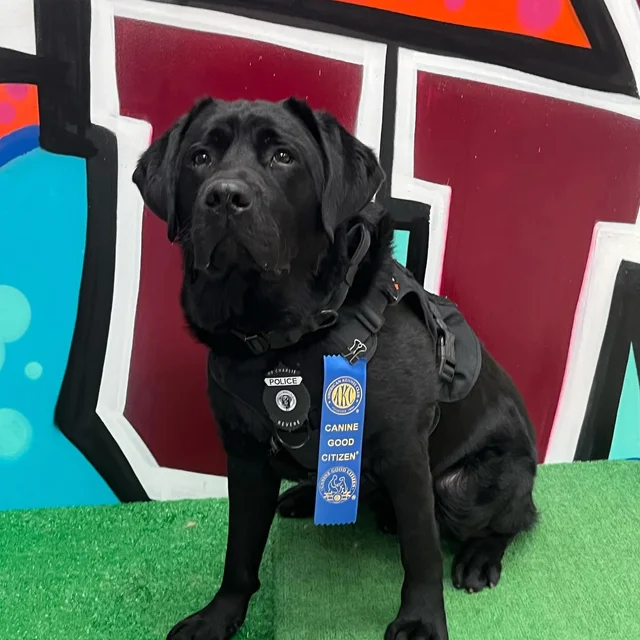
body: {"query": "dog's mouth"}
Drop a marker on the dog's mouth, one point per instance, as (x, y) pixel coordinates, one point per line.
(213, 254)
(231, 251)
(227, 253)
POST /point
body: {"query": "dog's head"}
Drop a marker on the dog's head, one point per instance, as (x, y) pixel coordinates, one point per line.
(255, 185)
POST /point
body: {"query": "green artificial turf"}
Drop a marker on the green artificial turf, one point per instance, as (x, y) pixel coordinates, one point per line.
(577, 577)
(130, 572)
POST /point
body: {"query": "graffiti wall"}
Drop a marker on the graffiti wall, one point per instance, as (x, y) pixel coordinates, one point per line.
(511, 139)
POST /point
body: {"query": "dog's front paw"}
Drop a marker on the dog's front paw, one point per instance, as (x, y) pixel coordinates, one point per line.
(217, 621)
(416, 627)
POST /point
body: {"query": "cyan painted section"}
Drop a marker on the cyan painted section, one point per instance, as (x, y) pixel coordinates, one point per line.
(401, 246)
(626, 437)
(43, 217)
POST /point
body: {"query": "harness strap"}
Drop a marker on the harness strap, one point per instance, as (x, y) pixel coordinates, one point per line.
(260, 343)
(445, 345)
(360, 333)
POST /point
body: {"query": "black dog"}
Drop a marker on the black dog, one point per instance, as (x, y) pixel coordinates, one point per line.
(271, 205)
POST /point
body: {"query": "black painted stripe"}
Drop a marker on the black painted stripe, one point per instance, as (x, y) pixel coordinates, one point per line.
(622, 332)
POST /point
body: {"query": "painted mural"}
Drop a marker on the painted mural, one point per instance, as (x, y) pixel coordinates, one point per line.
(512, 149)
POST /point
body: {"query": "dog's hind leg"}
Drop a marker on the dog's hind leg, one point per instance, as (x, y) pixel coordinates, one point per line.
(478, 563)
(484, 507)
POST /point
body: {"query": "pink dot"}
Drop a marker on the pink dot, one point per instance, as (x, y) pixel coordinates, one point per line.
(454, 5)
(537, 16)
(7, 113)
(17, 91)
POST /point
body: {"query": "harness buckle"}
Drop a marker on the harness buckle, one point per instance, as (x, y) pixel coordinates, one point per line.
(446, 355)
(353, 353)
(257, 344)
(326, 318)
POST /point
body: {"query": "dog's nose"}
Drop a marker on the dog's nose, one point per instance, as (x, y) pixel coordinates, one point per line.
(229, 196)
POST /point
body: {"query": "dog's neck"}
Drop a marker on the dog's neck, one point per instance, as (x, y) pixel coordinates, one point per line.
(256, 303)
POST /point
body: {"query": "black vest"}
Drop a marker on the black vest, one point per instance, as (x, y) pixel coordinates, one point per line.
(354, 334)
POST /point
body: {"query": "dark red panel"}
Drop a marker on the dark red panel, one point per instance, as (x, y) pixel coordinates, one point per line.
(530, 177)
(161, 72)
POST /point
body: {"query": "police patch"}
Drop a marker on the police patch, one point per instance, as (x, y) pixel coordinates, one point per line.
(286, 399)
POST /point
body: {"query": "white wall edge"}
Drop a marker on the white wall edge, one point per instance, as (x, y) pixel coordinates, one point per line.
(612, 243)
(518, 80)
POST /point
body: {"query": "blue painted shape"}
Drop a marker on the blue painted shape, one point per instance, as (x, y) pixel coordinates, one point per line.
(33, 371)
(626, 436)
(18, 142)
(15, 434)
(401, 246)
(43, 217)
(15, 313)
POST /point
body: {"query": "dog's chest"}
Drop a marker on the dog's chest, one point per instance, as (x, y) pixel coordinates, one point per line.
(248, 384)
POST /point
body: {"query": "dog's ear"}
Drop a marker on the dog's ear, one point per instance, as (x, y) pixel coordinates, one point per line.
(158, 170)
(352, 172)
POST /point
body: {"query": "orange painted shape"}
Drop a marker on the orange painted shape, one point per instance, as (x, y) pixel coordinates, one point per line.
(21, 100)
(495, 15)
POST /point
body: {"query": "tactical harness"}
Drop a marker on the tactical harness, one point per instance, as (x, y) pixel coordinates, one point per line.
(353, 333)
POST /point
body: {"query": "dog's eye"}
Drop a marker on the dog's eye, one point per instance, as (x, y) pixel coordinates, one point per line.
(282, 157)
(201, 158)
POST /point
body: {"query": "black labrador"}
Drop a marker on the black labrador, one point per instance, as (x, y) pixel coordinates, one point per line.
(263, 199)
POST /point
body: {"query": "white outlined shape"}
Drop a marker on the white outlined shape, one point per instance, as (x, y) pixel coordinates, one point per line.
(162, 483)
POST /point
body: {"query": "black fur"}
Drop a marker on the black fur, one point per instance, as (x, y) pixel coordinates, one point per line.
(260, 197)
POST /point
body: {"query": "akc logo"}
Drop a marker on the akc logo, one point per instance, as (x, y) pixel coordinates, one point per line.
(343, 395)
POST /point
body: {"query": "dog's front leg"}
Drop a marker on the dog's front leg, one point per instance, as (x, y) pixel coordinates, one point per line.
(407, 478)
(253, 495)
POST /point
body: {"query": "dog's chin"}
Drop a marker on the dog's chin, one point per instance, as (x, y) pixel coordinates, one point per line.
(227, 254)
(230, 254)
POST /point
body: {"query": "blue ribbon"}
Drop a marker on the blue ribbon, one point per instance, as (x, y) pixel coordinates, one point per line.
(341, 429)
